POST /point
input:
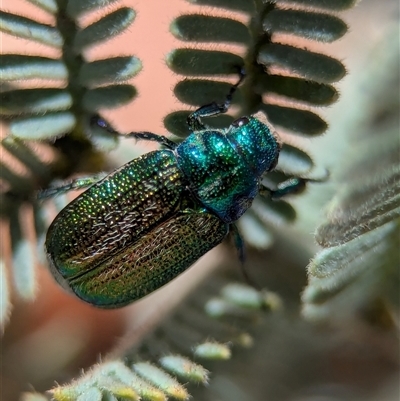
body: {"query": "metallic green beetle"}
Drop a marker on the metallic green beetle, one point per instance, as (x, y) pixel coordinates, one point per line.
(147, 222)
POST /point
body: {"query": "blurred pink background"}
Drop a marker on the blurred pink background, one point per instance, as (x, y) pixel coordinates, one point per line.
(55, 314)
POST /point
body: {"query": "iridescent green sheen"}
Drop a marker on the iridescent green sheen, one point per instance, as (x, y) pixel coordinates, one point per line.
(154, 260)
(130, 233)
(223, 167)
(147, 222)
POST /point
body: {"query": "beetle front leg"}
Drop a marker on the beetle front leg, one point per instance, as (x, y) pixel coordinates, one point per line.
(213, 109)
(141, 135)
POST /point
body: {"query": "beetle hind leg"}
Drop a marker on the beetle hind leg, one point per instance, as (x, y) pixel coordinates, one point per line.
(72, 185)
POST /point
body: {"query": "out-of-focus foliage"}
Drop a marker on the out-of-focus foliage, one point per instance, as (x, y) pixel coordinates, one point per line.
(53, 120)
(59, 116)
(284, 80)
(358, 271)
(274, 356)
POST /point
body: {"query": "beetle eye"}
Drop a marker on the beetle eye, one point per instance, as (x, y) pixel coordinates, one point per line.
(240, 121)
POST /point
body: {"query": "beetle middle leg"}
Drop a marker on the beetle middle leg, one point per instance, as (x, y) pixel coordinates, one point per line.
(294, 185)
(213, 109)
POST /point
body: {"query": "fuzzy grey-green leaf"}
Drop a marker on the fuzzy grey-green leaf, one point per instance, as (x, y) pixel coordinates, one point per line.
(50, 6)
(310, 25)
(336, 5)
(254, 231)
(370, 255)
(212, 350)
(299, 121)
(24, 271)
(242, 295)
(205, 28)
(34, 101)
(197, 92)
(17, 183)
(91, 394)
(75, 8)
(218, 308)
(362, 208)
(161, 379)
(99, 137)
(19, 67)
(125, 375)
(47, 126)
(276, 212)
(307, 91)
(105, 28)
(184, 368)
(239, 5)
(110, 70)
(326, 262)
(109, 97)
(203, 62)
(29, 29)
(293, 161)
(314, 66)
(27, 156)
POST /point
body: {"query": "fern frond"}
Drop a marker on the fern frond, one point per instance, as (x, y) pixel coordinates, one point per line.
(284, 81)
(358, 269)
(58, 116)
(171, 361)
